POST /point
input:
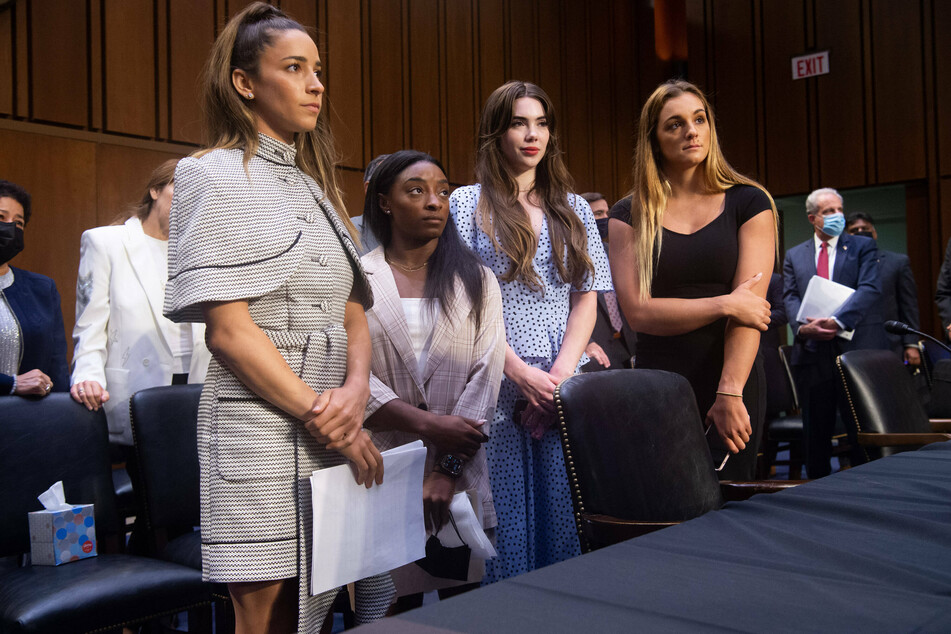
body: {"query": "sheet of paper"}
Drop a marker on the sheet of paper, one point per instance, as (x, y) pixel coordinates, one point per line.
(470, 528)
(360, 532)
(822, 298)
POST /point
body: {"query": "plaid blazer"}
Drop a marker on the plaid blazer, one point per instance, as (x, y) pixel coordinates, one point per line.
(462, 375)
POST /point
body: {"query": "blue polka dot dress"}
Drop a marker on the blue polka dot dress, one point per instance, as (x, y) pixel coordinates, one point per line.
(529, 483)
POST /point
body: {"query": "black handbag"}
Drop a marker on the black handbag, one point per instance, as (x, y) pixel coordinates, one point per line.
(446, 563)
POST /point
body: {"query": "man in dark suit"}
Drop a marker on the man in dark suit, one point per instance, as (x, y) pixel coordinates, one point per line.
(853, 262)
(942, 295)
(612, 341)
(899, 291)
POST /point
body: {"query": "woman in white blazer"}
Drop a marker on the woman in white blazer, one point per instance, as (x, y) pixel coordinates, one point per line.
(438, 345)
(123, 343)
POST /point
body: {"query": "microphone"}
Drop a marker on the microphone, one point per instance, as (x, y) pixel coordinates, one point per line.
(900, 328)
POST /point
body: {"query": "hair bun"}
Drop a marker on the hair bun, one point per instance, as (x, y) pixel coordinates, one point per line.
(262, 11)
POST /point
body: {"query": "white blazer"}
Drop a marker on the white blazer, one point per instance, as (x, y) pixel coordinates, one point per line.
(121, 339)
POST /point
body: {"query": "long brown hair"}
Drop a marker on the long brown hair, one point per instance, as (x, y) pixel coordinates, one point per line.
(161, 177)
(228, 119)
(500, 213)
(651, 188)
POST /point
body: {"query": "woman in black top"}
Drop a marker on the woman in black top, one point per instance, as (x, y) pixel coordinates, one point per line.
(697, 303)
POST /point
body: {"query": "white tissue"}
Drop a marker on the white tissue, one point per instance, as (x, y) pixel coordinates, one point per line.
(463, 509)
(54, 499)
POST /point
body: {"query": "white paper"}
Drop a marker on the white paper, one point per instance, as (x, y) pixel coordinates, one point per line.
(360, 532)
(463, 508)
(54, 498)
(822, 299)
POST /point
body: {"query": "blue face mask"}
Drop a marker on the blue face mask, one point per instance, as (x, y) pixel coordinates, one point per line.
(833, 224)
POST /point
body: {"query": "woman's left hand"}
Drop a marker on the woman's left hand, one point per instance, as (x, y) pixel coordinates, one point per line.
(89, 393)
(438, 489)
(337, 415)
(537, 421)
(732, 421)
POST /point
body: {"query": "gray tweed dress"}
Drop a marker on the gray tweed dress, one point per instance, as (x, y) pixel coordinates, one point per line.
(265, 235)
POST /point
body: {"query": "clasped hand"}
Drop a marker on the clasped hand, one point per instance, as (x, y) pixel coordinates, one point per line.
(336, 418)
(819, 329)
(455, 435)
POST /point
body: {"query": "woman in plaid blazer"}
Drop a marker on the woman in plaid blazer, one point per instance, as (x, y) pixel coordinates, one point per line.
(438, 342)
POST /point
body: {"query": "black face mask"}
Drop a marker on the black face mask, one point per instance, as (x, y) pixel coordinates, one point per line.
(602, 227)
(11, 241)
(864, 233)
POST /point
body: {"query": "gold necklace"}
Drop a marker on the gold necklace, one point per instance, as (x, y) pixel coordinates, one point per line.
(404, 268)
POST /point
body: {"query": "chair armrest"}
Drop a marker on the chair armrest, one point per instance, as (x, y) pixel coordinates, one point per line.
(603, 530)
(737, 491)
(942, 425)
(895, 440)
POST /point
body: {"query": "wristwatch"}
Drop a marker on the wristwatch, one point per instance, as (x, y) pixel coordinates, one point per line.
(449, 465)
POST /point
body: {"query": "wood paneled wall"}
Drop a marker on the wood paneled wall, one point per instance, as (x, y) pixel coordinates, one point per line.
(95, 93)
(882, 115)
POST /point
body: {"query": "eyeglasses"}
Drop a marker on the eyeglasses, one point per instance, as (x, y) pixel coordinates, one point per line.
(725, 458)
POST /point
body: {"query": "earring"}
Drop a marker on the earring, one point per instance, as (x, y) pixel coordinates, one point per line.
(386, 211)
(250, 95)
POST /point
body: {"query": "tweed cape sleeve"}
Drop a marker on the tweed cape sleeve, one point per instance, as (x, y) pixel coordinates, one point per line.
(231, 234)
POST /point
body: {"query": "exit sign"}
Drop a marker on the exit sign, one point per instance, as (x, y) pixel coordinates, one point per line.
(810, 65)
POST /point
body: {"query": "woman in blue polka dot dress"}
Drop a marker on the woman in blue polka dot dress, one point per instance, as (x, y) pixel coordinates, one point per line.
(542, 243)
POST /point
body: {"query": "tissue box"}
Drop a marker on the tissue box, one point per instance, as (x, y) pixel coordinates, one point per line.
(58, 537)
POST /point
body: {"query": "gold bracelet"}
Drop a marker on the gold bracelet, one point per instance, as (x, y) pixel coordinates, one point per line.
(730, 394)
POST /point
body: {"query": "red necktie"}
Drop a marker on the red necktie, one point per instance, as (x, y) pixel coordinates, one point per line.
(822, 266)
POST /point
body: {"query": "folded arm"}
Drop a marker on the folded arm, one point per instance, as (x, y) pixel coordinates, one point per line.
(666, 316)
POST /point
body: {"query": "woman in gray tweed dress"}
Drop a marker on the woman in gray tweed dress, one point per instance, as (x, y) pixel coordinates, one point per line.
(258, 253)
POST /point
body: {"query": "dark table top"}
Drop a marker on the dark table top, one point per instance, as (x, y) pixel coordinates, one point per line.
(868, 549)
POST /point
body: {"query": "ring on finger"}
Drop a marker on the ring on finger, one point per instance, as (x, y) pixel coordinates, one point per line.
(49, 386)
(82, 391)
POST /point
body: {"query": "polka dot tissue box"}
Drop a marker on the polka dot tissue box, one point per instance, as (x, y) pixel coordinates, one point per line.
(62, 532)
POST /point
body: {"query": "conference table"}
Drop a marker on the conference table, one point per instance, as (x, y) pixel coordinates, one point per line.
(864, 550)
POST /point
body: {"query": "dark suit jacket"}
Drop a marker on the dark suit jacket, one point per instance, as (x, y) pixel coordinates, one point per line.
(619, 350)
(899, 296)
(942, 295)
(35, 302)
(774, 337)
(856, 266)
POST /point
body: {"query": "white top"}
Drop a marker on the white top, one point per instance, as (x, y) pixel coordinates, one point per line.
(9, 331)
(420, 317)
(181, 340)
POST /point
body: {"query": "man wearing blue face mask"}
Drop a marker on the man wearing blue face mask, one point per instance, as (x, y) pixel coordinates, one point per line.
(853, 262)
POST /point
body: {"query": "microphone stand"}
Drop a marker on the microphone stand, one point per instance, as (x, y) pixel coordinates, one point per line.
(899, 328)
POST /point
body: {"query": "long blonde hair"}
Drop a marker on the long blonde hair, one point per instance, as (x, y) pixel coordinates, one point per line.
(228, 119)
(651, 188)
(503, 217)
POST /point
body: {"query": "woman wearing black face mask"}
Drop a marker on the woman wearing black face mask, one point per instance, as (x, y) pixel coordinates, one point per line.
(32, 338)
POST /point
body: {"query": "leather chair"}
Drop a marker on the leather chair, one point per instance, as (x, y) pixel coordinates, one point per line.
(885, 413)
(165, 434)
(783, 417)
(51, 439)
(636, 455)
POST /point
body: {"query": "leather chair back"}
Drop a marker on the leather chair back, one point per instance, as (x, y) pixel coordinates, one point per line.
(634, 446)
(780, 397)
(164, 428)
(881, 396)
(46, 440)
